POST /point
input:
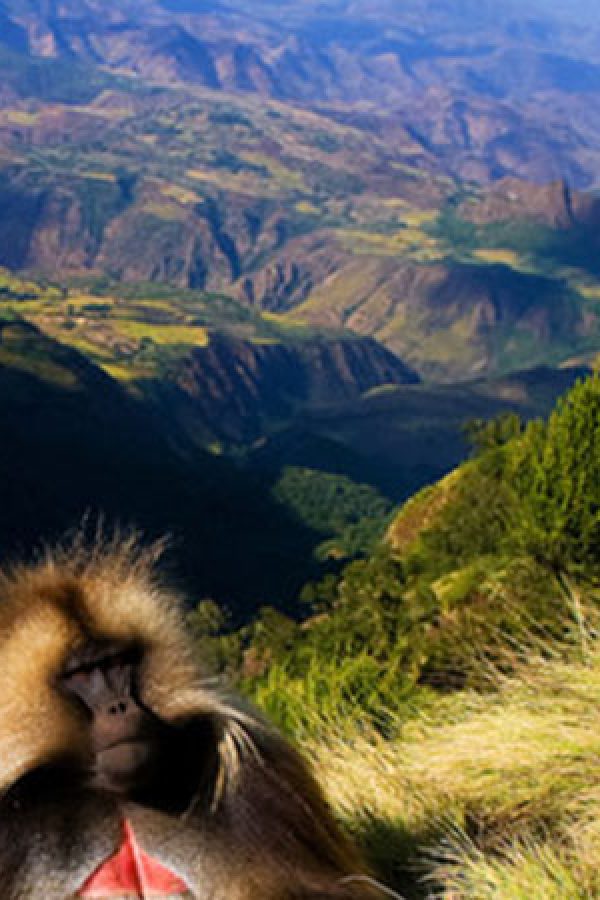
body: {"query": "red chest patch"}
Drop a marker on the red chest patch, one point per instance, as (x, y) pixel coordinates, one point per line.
(132, 873)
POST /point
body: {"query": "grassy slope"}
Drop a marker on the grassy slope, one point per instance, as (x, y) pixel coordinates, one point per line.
(232, 184)
(133, 331)
(396, 439)
(401, 438)
(487, 786)
(493, 795)
(490, 299)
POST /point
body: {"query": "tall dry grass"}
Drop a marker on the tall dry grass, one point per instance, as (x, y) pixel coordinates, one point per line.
(486, 795)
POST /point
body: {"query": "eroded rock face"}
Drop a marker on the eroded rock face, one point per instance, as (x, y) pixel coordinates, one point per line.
(233, 388)
(449, 321)
(290, 276)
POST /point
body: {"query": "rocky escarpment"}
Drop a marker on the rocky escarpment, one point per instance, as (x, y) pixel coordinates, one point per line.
(235, 390)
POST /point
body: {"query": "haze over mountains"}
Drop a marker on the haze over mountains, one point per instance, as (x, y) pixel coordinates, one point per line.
(269, 223)
(490, 88)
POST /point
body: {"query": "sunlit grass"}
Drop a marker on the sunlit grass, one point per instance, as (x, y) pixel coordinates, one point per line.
(307, 209)
(589, 291)
(415, 218)
(485, 795)
(180, 194)
(168, 212)
(194, 335)
(19, 286)
(245, 183)
(122, 372)
(287, 177)
(109, 177)
(410, 242)
(499, 255)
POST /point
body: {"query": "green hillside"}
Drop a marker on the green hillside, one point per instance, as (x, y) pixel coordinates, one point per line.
(312, 435)
(446, 682)
(299, 285)
(499, 550)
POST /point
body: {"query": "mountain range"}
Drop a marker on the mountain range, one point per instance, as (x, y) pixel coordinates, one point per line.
(329, 214)
(491, 90)
(317, 235)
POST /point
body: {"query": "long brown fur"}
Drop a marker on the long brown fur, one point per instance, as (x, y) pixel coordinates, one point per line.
(259, 829)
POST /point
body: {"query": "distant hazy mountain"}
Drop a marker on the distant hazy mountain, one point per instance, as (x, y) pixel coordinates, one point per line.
(494, 88)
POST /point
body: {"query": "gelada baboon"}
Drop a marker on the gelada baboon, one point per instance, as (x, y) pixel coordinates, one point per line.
(122, 774)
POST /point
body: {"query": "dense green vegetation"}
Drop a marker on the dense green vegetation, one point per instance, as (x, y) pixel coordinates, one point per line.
(160, 207)
(77, 443)
(537, 246)
(97, 378)
(354, 514)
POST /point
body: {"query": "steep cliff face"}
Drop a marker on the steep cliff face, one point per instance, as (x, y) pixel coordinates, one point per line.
(449, 317)
(235, 389)
(67, 227)
(133, 230)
